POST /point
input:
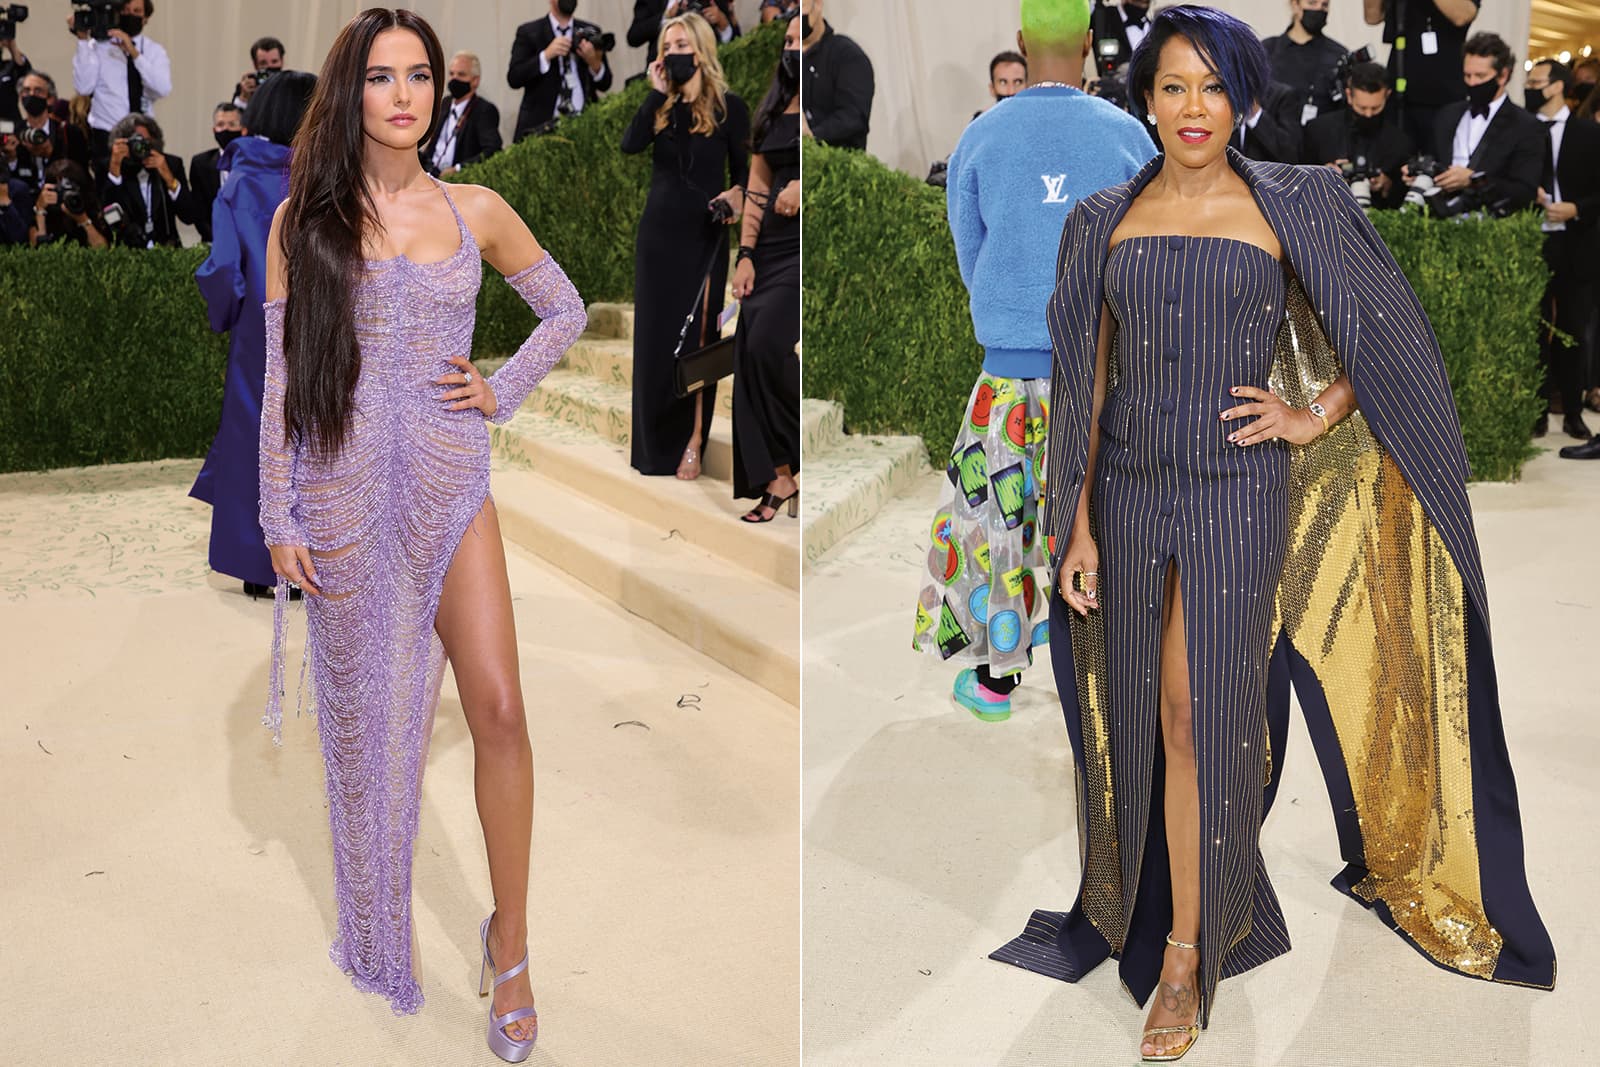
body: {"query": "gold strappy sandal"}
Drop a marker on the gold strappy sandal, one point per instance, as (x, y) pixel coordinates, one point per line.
(1193, 1029)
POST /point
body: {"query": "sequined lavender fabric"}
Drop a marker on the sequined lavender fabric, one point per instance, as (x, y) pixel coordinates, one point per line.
(383, 521)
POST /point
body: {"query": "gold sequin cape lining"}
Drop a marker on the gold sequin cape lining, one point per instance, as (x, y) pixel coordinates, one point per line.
(1381, 584)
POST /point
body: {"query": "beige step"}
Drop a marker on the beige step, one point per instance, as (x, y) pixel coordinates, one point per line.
(606, 409)
(848, 483)
(702, 512)
(749, 624)
(611, 320)
(611, 361)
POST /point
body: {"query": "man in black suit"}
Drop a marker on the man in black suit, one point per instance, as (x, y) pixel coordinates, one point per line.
(152, 191)
(558, 77)
(205, 181)
(648, 15)
(1489, 135)
(36, 94)
(470, 130)
(836, 82)
(1365, 134)
(1272, 131)
(1570, 196)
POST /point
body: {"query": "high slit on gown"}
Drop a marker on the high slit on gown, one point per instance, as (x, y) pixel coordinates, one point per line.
(383, 520)
(1346, 567)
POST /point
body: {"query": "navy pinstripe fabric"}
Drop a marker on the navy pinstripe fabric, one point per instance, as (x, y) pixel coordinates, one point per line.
(1207, 298)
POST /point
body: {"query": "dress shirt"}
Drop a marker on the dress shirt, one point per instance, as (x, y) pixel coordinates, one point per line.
(100, 69)
(570, 75)
(444, 150)
(1135, 33)
(1469, 131)
(1557, 125)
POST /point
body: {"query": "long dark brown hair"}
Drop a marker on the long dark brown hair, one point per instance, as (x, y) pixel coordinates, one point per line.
(330, 211)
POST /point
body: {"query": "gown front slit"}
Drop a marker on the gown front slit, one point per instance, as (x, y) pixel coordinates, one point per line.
(383, 519)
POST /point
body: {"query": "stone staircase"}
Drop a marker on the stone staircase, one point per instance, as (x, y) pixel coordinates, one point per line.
(848, 478)
(671, 552)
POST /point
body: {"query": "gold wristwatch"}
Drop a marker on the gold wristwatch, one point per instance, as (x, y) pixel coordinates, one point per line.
(1320, 412)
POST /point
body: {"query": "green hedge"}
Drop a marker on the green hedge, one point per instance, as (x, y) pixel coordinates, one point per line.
(888, 333)
(106, 356)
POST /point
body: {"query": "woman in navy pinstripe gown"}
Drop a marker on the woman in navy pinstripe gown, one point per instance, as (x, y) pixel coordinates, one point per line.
(1172, 551)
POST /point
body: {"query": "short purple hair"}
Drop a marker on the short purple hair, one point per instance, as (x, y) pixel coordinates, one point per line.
(1227, 46)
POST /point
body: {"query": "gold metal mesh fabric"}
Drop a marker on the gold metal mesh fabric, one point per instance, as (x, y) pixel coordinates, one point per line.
(1098, 852)
(1373, 601)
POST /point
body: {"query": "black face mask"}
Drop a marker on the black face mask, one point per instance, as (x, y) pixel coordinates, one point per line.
(790, 64)
(34, 105)
(566, 7)
(1136, 11)
(130, 25)
(1366, 125)
(680, 67)
(226, 137)
(1533, 99)
(805, 27)
(1313, 21)
(458, 88)
(1480, 96)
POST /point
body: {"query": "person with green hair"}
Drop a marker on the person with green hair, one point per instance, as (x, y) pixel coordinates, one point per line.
(1014, 177)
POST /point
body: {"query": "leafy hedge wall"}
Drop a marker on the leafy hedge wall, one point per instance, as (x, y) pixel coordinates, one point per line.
(888, 333)
(106, 356)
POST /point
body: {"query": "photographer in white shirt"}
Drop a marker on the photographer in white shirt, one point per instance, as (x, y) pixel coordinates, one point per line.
(113, 71)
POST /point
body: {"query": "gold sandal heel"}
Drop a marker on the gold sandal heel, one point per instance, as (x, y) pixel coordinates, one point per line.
(1193, 1029)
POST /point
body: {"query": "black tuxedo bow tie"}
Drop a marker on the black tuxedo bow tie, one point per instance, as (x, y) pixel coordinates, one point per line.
(1479, 112)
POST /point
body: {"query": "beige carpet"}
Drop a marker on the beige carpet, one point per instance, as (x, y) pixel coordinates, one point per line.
(931, 836)
(165, 872)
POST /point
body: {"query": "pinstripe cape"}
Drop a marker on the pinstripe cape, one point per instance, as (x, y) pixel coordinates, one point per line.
(1383, 630)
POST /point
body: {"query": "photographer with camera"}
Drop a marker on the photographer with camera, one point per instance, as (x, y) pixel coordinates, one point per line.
(1361, 141)
(648, 15)
(1427, 37)
(116, 64)
(836, 83)
(67, 209)
(779, 9)
(40, 139)
(205, 179)
(470, 130)
(1495, 148)
(266, 59)
(1569, 193)
(560, 64)
(147, 184)
(15, 64)
(1307, 61)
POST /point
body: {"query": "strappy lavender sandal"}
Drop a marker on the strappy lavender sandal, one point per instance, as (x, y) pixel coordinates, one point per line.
(501, 1043)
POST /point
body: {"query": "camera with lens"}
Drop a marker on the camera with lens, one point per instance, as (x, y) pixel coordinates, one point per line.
(10, 15)
(71, 195)
(721, 210)
(939, 174)
(33, 137)
(1358, 174)
(1423, 194)
(1105, 29)
(97, 18)
(140, 146)
(263, 74)
(1341, 72)
(603, 42)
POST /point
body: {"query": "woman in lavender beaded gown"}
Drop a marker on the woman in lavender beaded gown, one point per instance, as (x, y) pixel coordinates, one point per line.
(375, 492)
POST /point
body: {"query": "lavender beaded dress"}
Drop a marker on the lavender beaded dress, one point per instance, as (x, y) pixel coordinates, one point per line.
(383, 521)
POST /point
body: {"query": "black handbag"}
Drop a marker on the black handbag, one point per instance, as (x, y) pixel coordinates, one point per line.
(693, 371)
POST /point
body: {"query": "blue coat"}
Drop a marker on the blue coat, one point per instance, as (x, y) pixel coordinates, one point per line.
(1383, 635)
(233, 283)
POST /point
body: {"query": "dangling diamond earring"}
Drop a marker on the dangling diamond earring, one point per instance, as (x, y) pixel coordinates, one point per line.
(1150, 117)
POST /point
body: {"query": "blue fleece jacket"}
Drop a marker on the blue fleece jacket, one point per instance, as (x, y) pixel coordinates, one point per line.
(1016, 173)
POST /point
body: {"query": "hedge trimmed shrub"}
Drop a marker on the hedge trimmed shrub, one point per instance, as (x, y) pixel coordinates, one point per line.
(889, 335)
(106, 355)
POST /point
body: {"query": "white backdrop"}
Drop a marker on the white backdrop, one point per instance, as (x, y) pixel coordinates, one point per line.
(931, 58)
(209, 42)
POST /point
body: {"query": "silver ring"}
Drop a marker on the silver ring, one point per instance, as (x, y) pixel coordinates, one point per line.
(1090, 574)
(468, 376)
(1092, 594)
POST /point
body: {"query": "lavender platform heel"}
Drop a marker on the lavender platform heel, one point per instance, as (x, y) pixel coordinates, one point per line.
(500, 1043)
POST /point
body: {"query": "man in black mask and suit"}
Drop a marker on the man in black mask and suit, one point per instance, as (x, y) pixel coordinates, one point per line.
(1486, 134)
(205, 181)
(1570, 197)
(558, 74)
(470, 129)
(836, 82)
(1304, 59)
(1363, 134)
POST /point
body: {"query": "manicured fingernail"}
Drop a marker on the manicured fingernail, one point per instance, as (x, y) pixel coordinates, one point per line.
(1231, 436)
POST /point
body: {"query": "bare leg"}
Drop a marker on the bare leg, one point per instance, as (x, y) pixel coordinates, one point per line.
(689, 466)
(1177, 999)
(475, 624)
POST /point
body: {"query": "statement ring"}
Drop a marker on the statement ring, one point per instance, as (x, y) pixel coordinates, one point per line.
(466, 374)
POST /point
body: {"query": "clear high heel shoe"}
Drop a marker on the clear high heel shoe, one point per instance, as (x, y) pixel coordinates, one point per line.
(501, 1043)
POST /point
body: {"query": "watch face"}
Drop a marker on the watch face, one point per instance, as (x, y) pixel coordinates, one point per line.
(1318, 410)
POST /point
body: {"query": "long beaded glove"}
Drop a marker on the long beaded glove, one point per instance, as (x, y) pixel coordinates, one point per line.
(278, 496)
(561, 319)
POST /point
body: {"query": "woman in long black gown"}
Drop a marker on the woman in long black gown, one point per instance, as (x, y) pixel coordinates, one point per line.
(766, 379)
(699, 131)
